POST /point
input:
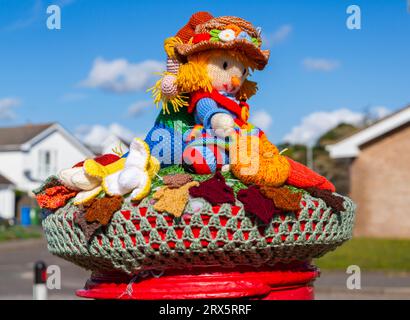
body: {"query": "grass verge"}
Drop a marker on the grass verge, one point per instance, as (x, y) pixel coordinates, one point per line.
(369, 254)
(19, 232)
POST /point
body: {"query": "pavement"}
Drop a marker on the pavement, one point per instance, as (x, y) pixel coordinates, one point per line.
(17, 260)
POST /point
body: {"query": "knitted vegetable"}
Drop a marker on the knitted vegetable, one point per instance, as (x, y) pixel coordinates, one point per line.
(257, 161)
(127, 175)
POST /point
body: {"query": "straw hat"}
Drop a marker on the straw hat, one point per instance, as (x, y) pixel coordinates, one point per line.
(228, 33)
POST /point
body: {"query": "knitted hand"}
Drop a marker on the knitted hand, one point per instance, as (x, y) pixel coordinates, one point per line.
(223, 124)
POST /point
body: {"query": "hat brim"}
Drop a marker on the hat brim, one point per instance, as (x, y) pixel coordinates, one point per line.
(260, 57)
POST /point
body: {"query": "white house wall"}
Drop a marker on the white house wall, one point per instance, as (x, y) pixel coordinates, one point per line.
(14, 164)
(7, 201)
(11, 164)
(67, 154)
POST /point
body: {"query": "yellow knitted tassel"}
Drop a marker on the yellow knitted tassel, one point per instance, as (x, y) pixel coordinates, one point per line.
(162, 101)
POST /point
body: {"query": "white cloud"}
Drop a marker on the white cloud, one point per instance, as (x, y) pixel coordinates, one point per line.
(138, 107)
(379, 112)
(6, 108)
(103, 139)
(94, 135)
(261, 119)
(318, 123)
(122, 76)
(278, 36)
(320, 64)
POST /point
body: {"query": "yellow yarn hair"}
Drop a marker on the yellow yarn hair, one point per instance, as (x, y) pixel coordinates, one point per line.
(160, 100)
(247, 90)
(169, 45)
(193, 76)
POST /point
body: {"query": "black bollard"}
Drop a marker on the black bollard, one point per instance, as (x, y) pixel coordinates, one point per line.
(40, 280)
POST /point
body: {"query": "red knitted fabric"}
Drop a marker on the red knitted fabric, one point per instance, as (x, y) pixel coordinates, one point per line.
(214, 190)
(302, 177)
(257, 204)
(104, 160)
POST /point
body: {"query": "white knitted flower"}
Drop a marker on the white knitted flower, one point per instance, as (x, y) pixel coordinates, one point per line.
(227, 35)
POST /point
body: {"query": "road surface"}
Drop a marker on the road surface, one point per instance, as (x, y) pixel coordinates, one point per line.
(16, 277)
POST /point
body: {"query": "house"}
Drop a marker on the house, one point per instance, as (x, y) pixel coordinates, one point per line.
(109, 144)
(101, 140)
(30, 153)
(379, 170)
(7, 198)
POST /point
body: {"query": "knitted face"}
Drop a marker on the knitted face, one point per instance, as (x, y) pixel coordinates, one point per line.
(226, 72)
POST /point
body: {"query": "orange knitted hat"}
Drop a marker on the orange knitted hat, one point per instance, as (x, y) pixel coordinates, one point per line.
(203, 32)
(188, 31)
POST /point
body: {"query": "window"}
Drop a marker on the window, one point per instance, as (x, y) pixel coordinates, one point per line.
(47, 163)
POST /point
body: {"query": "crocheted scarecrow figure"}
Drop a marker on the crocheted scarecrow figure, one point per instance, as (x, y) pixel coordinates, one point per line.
(205, 187)
(204, 95)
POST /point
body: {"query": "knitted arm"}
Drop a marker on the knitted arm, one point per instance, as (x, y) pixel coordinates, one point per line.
(205, 109)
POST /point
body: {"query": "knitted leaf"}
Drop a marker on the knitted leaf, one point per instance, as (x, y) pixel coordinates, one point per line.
(54, 197)
(101, 210)
(88, 229)
(328, 197)
(214, 190)
(283, 198)
(173, 201)
(257, 204)
(173, 181)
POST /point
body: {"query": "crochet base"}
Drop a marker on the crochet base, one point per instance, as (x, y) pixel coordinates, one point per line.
(282, 282)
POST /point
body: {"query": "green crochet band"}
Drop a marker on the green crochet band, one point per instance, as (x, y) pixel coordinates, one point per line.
(139, 238)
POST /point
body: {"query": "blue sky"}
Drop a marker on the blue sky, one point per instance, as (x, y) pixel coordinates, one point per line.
(317, 64)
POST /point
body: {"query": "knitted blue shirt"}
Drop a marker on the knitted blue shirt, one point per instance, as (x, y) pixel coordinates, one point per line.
(206, 108)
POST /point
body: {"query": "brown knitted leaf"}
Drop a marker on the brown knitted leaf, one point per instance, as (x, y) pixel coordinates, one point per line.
(328, 197)
(214, 190)
(173, 201)
(102, 210)
(257, 204)
(174, 181)
(283, 198)
(88, 229)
